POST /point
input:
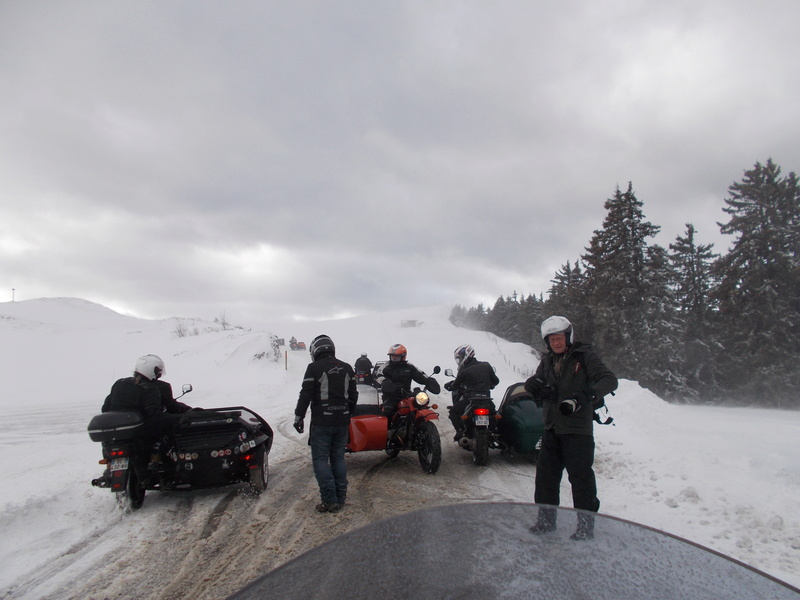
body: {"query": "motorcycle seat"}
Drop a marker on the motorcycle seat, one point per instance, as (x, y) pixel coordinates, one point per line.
(367, 409)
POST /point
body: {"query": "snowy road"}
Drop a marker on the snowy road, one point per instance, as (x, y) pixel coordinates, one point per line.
(208, 544)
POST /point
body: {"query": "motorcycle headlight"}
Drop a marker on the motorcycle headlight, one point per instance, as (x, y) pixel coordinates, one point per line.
(422, 399)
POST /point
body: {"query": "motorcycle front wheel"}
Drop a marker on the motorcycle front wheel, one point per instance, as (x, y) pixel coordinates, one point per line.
(430, 447)
(480, 449)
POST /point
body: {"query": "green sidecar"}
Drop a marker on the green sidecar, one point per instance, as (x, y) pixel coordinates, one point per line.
(520, 429)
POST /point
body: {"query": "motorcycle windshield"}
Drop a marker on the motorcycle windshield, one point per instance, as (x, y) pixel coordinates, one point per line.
(487, 551)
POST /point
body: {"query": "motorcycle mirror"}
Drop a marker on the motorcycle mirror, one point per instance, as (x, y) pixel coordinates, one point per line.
(448, 372)
(187, 387)
(436, 370)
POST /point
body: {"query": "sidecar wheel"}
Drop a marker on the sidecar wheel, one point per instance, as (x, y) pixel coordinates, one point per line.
(430, 447)
(259, 471)
(135, 491)
(480, 450)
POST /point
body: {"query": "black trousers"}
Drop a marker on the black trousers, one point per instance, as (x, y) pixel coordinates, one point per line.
(575, 453)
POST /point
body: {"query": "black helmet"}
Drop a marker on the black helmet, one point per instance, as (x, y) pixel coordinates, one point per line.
(322, 344)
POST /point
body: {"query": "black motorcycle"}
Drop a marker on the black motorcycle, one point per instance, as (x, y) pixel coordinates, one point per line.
(478, 423)
(208, 448)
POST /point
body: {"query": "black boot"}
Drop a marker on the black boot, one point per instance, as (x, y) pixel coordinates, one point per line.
(585, 530)
(545, 522)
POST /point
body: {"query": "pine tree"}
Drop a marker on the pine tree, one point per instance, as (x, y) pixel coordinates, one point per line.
(568, 297)
(614, 263)
(691, 264)
(759, 287)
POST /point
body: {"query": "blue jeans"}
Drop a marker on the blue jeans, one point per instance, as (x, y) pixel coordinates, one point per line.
(327, 456)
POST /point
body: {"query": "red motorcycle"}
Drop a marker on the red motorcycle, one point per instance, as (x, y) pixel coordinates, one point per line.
(413, 428)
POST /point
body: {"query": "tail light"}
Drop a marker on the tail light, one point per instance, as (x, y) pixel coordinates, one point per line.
(481, 411)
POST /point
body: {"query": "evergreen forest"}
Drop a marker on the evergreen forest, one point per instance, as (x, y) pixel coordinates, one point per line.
(687, 323)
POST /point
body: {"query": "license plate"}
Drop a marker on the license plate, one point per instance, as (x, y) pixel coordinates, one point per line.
(119, 464)
(482, 421)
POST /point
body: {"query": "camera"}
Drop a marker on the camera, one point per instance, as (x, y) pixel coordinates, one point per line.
(569, 406)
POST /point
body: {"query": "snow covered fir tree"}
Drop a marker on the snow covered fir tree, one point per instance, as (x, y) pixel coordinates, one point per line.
(685, 322)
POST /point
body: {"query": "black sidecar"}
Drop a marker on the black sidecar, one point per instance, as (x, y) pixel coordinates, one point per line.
(208, 448)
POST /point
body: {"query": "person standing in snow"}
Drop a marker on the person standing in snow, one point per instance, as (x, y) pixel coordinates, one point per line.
(474, 377)
(329, 387)
(397, 377)
(571, 380)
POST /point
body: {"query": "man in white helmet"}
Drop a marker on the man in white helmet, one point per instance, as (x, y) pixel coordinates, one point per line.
(141, 393)
(474, 377)
(572, 381)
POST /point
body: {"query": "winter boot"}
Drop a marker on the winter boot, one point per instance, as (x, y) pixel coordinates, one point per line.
(545, 523)
(585, 530)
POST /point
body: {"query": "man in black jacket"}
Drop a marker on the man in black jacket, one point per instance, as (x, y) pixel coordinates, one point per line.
(329, 387)
(363, 368)
(141, 394)
(397, 377)
(474, 377)
(571, 380)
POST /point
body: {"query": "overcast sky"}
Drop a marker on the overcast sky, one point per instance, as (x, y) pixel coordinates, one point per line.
(319, 159)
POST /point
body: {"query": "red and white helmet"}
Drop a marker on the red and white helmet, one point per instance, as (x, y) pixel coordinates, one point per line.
(397, 353)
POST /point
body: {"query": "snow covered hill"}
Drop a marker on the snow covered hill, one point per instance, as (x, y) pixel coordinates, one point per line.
(725, 478)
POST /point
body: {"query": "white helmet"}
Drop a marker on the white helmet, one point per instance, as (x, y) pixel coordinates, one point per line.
(462, 353)
(150, 366)
(557, 324)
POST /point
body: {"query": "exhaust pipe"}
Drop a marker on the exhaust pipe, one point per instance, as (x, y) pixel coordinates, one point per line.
(464, 443)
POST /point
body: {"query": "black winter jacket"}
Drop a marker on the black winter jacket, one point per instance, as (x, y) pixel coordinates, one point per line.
(167, 401)
(401, 374)
(363, 365)
(329, 387)
(474, 377)
(581, 371)
(142, 397)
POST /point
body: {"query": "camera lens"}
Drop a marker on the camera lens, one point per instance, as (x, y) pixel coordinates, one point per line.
(568, 406)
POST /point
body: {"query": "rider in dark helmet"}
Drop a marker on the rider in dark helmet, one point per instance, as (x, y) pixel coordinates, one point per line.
(474, 377)
(397, 377)
(329, 387)
(363, 368)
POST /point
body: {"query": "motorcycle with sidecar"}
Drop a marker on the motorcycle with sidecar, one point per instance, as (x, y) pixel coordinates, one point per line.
(514, 427)
(413, 428)
(207, 448)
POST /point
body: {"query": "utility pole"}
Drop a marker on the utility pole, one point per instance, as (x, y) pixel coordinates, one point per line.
(12, 293)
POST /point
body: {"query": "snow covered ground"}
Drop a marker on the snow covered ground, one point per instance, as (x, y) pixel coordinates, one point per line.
(726, 478)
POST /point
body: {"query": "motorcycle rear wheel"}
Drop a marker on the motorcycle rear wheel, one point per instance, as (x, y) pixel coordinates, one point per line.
(480, 448)
(259, 474)
(134, 490)
(430, 447)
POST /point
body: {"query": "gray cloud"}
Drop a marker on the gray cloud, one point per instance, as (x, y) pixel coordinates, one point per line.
(312, 159)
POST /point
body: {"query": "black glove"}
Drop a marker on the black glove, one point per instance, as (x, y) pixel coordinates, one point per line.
(388, 386)
(449, 386)
(539, 390)
(585, 397)
(576, 401)
(298, 424)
